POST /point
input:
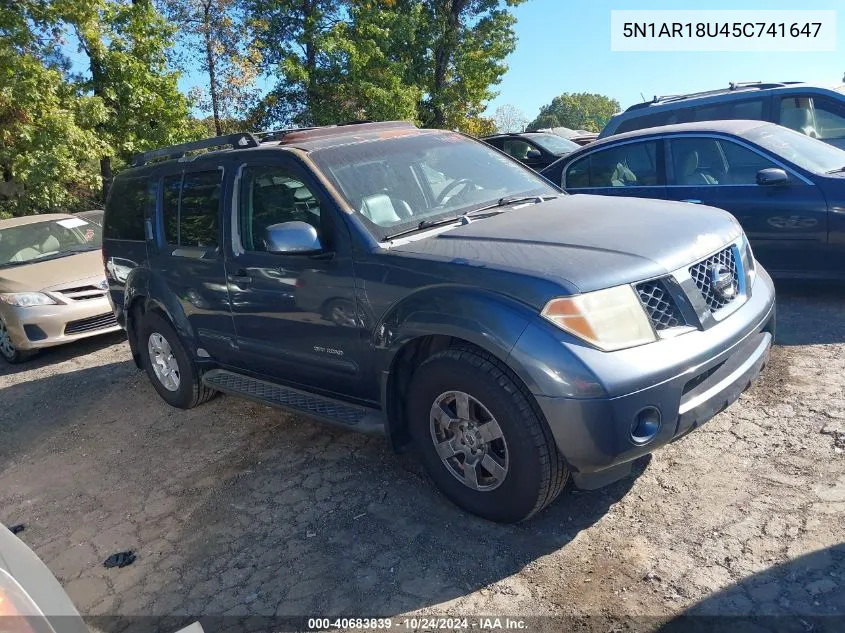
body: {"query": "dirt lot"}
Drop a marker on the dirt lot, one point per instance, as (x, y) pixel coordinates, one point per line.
(238, 509)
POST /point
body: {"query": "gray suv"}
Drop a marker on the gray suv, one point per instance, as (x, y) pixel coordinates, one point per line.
(813, 110)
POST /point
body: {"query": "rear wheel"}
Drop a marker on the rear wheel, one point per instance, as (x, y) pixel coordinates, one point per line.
(8, 351)
(482, 438)
(174, 375)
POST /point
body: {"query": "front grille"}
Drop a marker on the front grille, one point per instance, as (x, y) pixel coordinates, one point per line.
(90, 324)
(659, 305)
(80, 293)
(702, 274)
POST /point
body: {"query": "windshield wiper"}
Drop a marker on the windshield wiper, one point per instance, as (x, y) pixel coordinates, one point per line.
(838, 170)
(509, 200)
(465, 217)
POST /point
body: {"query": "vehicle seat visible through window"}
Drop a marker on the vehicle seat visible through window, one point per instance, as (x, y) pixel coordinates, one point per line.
(690, 174)
(383, 210)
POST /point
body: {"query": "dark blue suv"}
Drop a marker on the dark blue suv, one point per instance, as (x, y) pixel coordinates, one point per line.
(787, 190)
(421, 284)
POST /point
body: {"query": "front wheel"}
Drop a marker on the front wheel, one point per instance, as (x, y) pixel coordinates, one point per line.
(8, 351)
(173, 374)
(482, 438)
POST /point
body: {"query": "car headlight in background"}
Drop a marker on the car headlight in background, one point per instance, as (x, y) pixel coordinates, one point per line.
(609, 319)
(26, 299)
(18, 612)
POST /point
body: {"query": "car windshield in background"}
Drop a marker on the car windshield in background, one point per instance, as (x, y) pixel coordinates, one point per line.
(28, 243)
(396, 184)
(808, 153)
(555, 144)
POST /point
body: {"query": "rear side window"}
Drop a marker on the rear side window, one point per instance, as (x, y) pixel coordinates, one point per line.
(627, 165)
(190, 209)
(751, 109)
(129, 199)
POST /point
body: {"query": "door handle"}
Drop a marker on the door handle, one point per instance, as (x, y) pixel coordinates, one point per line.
(239, 279)
(692, 201)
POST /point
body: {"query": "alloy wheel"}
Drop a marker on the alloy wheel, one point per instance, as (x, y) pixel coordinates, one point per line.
(469, 441)
(164, 364)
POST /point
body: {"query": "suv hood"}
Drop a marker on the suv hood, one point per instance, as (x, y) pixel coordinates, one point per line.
(52, 272)
(592, 242)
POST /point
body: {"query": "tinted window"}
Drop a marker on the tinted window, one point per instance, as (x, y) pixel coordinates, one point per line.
(667, 117)
(517, 148)
(710, 161)
(577, 174)
(725, 110)
(192, 219)
(271, 195)
(830, 118)
(198, 214)
(627, 165)
(129, 199)
(170, 208)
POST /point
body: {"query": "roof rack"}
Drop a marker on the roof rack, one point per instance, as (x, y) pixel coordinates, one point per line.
(236, 141)
(733, 86)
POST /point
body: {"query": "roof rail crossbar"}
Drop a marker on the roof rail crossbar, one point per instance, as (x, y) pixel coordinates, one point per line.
(239, 140)
(268, 136)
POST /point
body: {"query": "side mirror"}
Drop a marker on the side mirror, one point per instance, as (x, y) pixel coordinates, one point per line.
(534, 153)
(292, 238)
(772, 176)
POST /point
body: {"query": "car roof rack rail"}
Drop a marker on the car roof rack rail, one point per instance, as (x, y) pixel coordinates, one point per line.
(732, 87)
(236, 141)
(269, 136)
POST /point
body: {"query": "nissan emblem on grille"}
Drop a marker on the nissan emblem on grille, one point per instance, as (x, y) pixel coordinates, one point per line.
(722, 280)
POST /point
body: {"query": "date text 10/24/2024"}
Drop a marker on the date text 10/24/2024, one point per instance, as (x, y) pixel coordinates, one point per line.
(419, 624)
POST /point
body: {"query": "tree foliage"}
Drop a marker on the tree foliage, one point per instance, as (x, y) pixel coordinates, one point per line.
(509, 118)
(211, 33)
(578, 111)
(48, 146)
(431, 61)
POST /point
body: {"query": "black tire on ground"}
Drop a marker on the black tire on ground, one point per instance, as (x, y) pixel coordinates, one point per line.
(536, 471)
(191, 391)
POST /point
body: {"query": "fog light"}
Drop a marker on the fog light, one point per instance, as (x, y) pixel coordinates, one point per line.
(645, 426)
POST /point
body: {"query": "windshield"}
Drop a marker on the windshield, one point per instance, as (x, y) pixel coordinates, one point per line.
(554, 143)
(809, 153)
(397, 183)
(45, 240)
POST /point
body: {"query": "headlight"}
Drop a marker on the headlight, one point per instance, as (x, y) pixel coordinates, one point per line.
(18, 610)
(609, 319)
(750, 263)
(26, 299)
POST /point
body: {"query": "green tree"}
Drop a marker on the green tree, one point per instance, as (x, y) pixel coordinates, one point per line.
(46, 127)
(126, 44)
(212, 35)
(578, 111)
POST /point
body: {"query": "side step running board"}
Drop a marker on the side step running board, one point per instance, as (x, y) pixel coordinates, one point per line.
(351, 416)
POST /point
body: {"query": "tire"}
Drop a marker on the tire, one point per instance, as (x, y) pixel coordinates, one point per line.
(184, 390)
(534, 471)
(8, 351)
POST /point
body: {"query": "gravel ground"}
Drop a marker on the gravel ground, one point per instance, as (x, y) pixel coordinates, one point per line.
(238, 509)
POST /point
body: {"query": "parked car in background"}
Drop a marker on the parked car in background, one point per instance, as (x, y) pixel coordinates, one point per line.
(419, 283)
(787, 190)
(813, 110)
(580, 137)
(52, 286)
(94, 217)
(535, 149)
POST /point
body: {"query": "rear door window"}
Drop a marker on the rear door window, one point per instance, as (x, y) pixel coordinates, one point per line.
(814, 115)
(191, 209)
(128, 202)
(627, 165)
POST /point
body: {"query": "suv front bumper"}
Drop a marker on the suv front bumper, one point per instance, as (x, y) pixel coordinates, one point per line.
(688, 380)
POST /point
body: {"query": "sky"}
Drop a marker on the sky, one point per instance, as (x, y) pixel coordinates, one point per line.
(564, 46)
